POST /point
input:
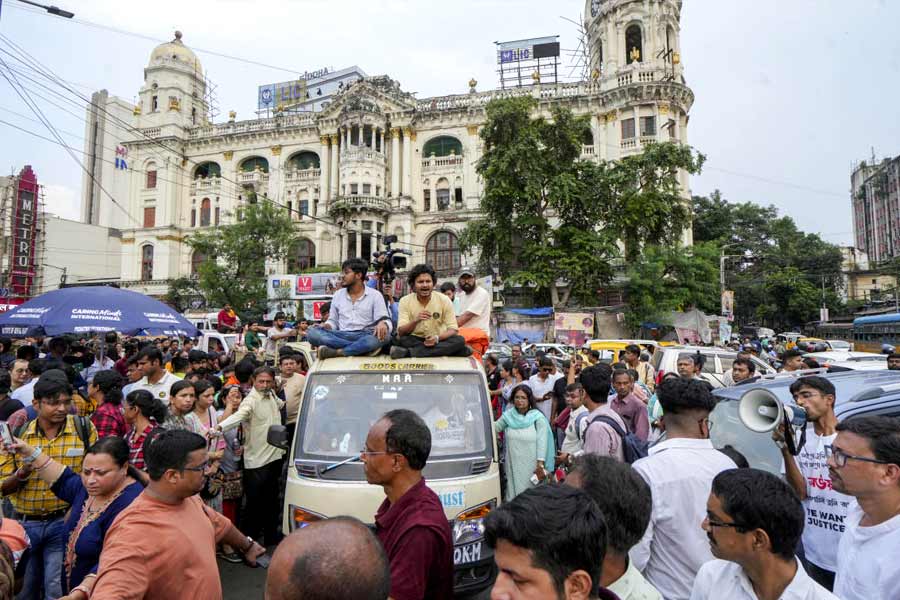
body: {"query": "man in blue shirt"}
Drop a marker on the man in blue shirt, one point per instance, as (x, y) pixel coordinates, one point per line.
(358, 322)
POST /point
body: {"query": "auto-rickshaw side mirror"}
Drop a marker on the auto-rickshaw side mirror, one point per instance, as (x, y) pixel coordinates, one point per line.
(278, 437)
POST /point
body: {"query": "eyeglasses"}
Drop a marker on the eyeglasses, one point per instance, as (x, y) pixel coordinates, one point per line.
(841, 457)
(199, 468)
(714, 523)
(365, 452)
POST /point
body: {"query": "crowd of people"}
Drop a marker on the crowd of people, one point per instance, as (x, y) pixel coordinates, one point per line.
(128, 466)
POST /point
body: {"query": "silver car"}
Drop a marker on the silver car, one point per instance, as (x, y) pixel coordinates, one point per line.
(718, 362)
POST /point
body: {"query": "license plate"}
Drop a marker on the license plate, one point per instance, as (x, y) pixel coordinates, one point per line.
(467, 554)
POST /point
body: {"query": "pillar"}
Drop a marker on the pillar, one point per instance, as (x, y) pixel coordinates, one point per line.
(334, 167)
(395, 161)
(408, 137)
(373, 138)
(324, 165)
(359, 243)
(381, 145)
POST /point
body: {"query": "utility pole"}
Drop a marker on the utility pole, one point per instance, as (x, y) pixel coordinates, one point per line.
(53, 10)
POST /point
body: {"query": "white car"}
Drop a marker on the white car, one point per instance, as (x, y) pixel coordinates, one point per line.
(850, 360)
(840, 345)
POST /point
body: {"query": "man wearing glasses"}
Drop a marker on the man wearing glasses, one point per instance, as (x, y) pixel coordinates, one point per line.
(679, 470)
(807, 473)
(864, 462)
(753, 522)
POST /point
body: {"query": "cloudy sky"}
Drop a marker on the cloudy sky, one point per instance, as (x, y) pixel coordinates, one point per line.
(789, 94)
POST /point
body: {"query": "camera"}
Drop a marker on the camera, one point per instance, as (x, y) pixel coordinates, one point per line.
(386, 262)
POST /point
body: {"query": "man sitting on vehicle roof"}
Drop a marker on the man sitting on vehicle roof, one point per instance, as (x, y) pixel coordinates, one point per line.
(427, 325)
(358, 322)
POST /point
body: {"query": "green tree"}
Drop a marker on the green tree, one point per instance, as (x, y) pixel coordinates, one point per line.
(671, 278)
(235, 268)
(790, 299)
(539, 215)
(181, 293)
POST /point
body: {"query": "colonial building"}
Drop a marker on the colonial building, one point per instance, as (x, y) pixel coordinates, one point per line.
(374, 161)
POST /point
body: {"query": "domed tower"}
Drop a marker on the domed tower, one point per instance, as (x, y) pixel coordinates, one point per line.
(634, 36)
(174, 90)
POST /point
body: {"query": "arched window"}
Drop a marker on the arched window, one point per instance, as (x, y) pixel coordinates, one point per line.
(250, 164)
(442, 146)
(147, 263)
(443, 194)
(197, 259)
(302, 256)
(304, 160)
(150, 172)
(208, 169)
(442, 252)
(634, 41)
(204, 212)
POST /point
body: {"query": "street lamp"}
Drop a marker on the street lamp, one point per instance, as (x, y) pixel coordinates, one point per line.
(53, 10)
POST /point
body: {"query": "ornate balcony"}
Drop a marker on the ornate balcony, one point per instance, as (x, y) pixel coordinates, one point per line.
(296, 175)
(357, 154)
(204, 185)
(345, 204)
(433, 163)
(253, 177)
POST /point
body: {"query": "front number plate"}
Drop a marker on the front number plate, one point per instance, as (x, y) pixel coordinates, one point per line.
(469, 553)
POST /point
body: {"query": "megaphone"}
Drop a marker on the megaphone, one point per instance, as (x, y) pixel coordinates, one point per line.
(761, 410)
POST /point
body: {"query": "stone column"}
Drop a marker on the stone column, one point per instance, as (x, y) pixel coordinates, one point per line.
(335, 159)
(395, 162)
(359, 243)
(324, 165)
(373, 138)
(381, 145)
(408, 137)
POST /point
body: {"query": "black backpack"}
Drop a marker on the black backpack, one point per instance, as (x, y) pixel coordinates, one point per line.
(633, 447)
(82, 428)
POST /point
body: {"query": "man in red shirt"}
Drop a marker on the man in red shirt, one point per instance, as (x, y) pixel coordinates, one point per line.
(227, 320)
(410, 523)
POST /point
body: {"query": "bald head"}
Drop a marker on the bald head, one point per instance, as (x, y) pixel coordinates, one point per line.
(334, 559)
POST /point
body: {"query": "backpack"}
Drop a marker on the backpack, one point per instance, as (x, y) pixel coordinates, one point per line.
(633, 448)
(82, 428)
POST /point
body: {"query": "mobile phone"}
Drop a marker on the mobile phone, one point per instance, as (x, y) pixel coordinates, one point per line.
(263, 561)
(534, 480)
(6, 434)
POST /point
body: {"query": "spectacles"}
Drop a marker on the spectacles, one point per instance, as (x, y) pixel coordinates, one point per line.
(708, 421)
(714, 523)
(365, 452)
(841, 457)
(199, 468)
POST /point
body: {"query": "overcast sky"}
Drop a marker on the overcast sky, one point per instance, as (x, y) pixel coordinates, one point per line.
(789, 94)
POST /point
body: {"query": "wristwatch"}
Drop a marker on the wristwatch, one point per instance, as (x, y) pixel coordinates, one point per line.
(250, 542)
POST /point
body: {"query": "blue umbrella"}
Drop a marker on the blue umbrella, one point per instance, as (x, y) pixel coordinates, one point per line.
(94, 309)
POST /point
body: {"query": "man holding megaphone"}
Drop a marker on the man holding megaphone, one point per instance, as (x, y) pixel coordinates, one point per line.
(807, 473)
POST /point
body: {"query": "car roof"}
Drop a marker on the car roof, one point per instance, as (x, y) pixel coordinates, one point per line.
(856, 386)
(847, 356)
(385, 363)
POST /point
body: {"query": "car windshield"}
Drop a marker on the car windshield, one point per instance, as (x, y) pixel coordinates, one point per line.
(339, 408)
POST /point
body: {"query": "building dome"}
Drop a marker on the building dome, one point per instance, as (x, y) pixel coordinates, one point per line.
(176, 51)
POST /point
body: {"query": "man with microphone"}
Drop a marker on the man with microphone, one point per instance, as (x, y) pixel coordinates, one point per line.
(808, 474)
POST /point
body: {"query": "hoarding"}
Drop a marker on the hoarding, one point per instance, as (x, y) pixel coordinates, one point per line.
(529, 61)
(22, 267)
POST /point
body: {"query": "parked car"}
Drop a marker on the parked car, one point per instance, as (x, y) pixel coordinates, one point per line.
(841, 356)
(857, 392)
(840, 345)
(501, 351)
(718, 361)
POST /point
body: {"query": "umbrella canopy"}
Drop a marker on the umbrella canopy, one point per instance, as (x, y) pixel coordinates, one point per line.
(94, 309)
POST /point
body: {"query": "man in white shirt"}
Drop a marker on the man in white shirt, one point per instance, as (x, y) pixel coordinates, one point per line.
(807, 473)
(680, 470)
(865, 463)
(156, 379)
(624, 500)
(572, 445)
(753, 521)
(474, 303)
(541, 384)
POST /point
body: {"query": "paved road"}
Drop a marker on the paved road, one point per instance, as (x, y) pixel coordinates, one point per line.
(240, 582)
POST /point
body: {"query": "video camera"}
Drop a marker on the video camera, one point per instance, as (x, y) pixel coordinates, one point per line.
(386, 262)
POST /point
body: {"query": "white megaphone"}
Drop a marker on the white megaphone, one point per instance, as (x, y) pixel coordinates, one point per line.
(761, 410)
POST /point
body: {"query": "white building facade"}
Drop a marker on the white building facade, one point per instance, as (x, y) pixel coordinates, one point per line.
(375, 161)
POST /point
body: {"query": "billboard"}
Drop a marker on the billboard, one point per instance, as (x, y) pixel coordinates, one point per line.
(574, 329)
(309, 92)
(286, 93)
(25, 215)
(529, 61)
(518, 50)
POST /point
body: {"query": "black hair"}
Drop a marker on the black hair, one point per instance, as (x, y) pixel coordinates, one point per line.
(202, 385)
(181, 384)
(111, 384)
(734, 454)
(51, 384)
(117, 448)
(507, 365)
(263, 370)
(5, 381)
(283, 356)
(545, 362)
(152, 408)
(573, 387)
(59, 343)
(491, 358)
(243, 371)
(560, 526)
(894, 355)
(617, 372)
(791, 354)
(325, 308)
(523, 368)
(633, 349)
(882, 433)
(811, 363)
(151, 353)
(339, 565)
(408, 435)
(357, 265)
(5, 344)
(677, 396)
(179, 364)
(420, 269)
(37, 366)
(169, 450)
(756, 499)
(622, 495)
(523, 387)
(751, 367)
(820, 384)
(26, 352)
(447, 286)
(595, 381)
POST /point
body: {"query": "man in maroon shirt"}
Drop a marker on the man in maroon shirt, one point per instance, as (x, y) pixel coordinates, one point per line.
(410, 523)
(628, 406)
